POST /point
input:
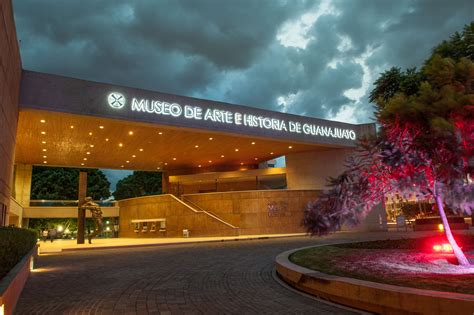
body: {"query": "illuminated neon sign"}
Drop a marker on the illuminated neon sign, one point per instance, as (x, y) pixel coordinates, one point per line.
(117, 101)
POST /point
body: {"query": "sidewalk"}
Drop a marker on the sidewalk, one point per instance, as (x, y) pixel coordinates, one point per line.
(101, 243)
(104, 243)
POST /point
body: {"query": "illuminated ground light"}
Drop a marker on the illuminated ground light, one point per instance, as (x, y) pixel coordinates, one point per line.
(443, 248)
(441, 227)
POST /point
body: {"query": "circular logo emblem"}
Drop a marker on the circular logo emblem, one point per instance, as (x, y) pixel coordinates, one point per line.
(116, 100)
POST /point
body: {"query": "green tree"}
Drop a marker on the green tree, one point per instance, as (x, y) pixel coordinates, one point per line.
(425, 146)
(459, 45)
(60, 183)
(138, 184)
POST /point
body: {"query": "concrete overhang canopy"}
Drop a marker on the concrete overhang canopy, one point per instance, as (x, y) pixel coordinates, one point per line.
(71, 122)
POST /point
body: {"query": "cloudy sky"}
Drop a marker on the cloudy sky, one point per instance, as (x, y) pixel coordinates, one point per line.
(316, 58)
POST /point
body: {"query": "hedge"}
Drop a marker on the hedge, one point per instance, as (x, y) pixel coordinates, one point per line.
(15, 243)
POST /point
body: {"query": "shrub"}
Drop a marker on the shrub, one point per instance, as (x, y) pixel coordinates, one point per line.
(15, 243)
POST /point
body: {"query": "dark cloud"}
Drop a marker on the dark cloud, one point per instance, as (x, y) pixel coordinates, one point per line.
(231, 51)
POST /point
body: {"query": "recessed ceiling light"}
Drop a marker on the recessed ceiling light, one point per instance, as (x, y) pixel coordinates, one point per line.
(42, 121)
(92, 145)
(120, 144)
(222, 155)
(106, 139)
(211, 138)
(45, 162)
(166, 163)
(121, 166)
(85, 159)
(256, 159)
(82, 163)
(253, 142)
(141, 150)
(72, 127)
(90, 133)
(101, 127)
(44, 150)
(236, 150)
(174, 159)
(196, 146)
(241, 163)
(271, 153)
(130, 132)
(134, 156)
(88, 153)
(158, 168)
(43, 132)
(127, 161)
(210, 161)
(290, 147)
(43, 142)
(199, 165)
(44, 156)
(160, 133)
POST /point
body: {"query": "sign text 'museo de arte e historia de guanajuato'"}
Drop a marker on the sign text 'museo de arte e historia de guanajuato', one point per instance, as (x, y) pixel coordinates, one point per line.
(118, 101)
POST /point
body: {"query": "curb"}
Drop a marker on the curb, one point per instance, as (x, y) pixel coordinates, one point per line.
(370, 296)
(11, 285)
(281, 282)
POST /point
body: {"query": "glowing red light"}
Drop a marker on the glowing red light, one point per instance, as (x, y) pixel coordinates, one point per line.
(444, 248)
(447, 248)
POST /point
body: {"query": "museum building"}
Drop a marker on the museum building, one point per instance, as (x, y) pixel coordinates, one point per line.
(216, 159)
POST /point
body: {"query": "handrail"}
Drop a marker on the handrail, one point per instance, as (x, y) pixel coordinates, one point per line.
(202, 211)
(62, 203)
(208, 212)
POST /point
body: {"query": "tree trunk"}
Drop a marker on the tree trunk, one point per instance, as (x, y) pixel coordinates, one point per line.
(462, 260)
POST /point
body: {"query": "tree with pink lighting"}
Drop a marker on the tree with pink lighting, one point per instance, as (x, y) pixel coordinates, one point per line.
(424, 147)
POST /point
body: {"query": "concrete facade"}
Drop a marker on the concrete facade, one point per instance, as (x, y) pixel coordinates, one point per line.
(217, 214)
(23, 176)
(10, 75)
(178, 216)
(309, 170)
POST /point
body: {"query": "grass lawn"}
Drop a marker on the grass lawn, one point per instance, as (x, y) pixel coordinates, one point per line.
(408, 262)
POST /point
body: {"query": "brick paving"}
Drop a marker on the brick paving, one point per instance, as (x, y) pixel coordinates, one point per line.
(212, 278)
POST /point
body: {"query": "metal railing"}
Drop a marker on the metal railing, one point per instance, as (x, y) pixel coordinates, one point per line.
(67, 203)
(199, 209)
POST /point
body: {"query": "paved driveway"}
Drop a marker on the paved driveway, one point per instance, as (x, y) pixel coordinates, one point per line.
(212, 278)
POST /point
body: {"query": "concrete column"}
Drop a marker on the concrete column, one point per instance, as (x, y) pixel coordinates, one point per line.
(23, 176)
(165, 182)
(81, 213)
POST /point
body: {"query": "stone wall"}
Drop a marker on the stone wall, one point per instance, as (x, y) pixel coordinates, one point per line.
(258, 212)
(178, 217)
(254, 212)
(10, 74)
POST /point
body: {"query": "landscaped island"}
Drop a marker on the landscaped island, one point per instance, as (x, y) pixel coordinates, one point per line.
(417, 263)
